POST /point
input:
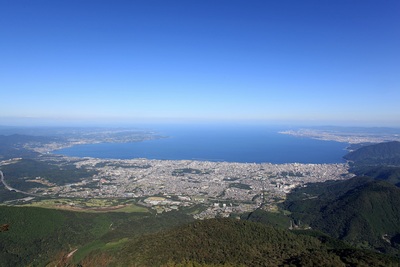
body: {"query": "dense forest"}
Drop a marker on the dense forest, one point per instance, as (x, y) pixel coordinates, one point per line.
(379, 161)
(26, 169)
(40, 236)
(377, 154)
(230, 242)
(46, 236)
(13, 146)
(361, 211)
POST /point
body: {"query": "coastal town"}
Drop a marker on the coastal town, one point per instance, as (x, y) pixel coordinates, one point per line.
(345, 137)
(221, 188)
(209, 188)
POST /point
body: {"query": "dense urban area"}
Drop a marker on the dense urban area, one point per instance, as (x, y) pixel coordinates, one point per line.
(166, 185)
(221, 188)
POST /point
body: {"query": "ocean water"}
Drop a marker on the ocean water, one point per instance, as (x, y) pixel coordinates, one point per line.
(251, 144)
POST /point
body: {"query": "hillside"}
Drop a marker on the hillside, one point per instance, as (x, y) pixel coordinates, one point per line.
(38, 236)
(228, 242)
(363, 214)
(367, 215)
(34, 235)
(379, 161)
(14, 146)
(28, 169)
(378, 154)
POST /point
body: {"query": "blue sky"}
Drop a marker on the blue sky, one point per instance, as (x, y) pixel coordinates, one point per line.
(329, 62)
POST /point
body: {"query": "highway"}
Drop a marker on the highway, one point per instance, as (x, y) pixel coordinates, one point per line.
(11, 188)
(5, 184)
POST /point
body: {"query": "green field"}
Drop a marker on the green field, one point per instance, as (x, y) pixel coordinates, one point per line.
(89, 205)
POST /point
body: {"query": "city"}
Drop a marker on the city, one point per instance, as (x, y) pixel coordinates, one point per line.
(221, 188)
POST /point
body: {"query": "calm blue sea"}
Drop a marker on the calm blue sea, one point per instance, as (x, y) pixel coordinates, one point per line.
(256, 144)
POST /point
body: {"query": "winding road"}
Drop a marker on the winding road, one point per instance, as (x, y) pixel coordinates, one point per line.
(12, 188)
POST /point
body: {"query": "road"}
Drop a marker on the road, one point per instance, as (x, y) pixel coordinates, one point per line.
(11, 188)
(5, 184)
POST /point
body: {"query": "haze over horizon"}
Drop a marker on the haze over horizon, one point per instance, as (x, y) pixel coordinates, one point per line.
(312, 62)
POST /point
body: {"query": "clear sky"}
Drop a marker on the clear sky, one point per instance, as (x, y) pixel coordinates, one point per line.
(330, 61)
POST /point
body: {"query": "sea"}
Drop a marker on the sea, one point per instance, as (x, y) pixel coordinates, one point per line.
(243, 144)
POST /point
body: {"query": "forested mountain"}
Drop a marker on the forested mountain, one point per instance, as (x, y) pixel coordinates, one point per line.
(39, 236)
(361, 211)
(46, 236)
(378, 154)
(13, 146)
(229, 242)
(379, 161)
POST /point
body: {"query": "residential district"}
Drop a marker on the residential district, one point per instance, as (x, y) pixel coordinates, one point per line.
(221, 188)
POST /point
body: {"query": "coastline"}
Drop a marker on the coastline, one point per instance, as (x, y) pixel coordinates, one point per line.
(265, 149)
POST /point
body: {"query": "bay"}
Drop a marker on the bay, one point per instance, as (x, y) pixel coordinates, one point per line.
(244, 144)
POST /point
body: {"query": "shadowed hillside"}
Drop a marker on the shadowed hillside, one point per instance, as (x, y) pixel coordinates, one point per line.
(378, 154)
(363, 212)
(379, 161)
